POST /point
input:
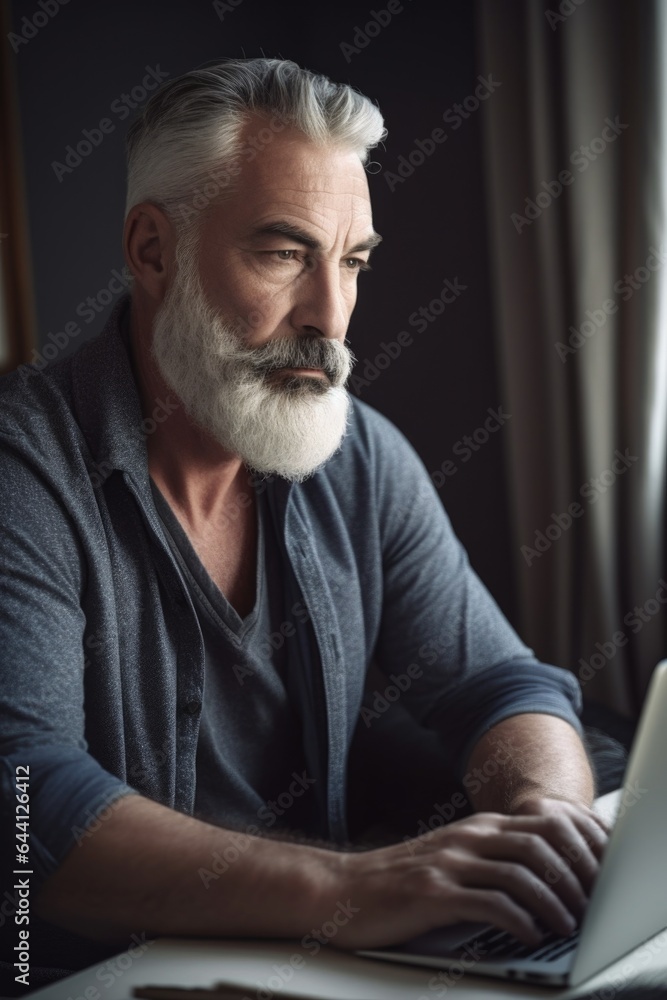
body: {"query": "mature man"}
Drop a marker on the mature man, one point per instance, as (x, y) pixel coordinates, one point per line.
(208, 541)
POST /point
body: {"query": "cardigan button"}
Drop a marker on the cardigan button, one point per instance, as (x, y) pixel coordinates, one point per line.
(192, 707)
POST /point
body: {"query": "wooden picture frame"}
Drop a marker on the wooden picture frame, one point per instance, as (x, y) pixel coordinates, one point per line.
(17, 310)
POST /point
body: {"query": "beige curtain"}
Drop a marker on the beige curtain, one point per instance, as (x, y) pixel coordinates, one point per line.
(574, 148)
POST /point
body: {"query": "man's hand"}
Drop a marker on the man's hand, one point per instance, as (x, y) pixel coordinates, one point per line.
(532, 851)
(490, 868)
(145, 863)
(582, 853)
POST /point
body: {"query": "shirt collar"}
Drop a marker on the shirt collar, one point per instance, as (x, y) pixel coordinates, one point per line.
(108, 405)
(106, 397)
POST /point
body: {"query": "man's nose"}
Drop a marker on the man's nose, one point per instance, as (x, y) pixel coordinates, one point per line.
(320, 304)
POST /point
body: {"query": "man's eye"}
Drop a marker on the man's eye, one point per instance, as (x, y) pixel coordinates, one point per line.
(286, 255)
(354, 264)
(357, 264)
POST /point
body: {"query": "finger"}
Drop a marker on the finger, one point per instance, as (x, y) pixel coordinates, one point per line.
(579, 849)
(592, 826)
(564, 837)
(492, 906)
(540, 858)
(592, 830)
(522, 886)
(605, 825)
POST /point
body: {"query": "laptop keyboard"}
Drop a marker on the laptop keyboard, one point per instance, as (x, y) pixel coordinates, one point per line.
(501, 945)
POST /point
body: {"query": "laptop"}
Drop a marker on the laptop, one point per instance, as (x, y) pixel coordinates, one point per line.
(628, 904)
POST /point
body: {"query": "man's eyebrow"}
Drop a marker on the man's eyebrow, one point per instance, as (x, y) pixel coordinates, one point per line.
(299, 235)
(290, 231)
(368, 244)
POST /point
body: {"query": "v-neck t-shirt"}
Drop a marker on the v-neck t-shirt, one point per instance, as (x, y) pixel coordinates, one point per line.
(250, 766)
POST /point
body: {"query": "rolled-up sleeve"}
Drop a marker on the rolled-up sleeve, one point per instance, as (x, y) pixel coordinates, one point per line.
(42, 578)
(441, 628)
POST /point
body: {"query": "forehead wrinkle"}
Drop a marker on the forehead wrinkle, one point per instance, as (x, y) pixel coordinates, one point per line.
(297, 178)
(316, 215)
(352, 202)
(325, 195)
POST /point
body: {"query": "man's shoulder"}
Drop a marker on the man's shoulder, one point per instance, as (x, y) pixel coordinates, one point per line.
(41, 460)
(366, 418)
(372, 434)
(374, 465)
(34, 403)
(72, 408)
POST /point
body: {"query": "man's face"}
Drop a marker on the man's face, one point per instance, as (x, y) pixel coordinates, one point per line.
(251, 332)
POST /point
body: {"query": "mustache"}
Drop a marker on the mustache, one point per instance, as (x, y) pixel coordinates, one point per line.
(332, 357)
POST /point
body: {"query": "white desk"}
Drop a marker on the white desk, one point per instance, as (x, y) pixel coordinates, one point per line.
(334, 975)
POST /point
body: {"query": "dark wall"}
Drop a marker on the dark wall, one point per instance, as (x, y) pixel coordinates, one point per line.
(421, 62)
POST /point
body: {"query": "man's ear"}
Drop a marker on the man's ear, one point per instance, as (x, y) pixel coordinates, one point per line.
(149, 243)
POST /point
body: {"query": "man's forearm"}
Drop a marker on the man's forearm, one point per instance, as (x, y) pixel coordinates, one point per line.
(528, 756)
(149, 868)
(141, 871)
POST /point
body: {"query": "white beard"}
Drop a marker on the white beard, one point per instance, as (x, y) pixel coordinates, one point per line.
(286, 425)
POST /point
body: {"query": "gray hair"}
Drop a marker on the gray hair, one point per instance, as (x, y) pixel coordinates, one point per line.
(184, 149)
